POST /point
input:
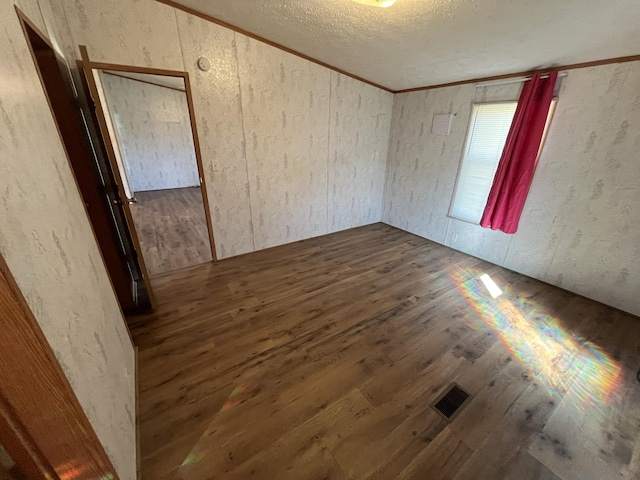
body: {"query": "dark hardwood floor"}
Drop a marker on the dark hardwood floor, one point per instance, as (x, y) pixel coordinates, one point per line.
(320, 360)
(172, 229)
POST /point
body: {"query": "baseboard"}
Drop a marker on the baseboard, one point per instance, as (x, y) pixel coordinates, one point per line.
(137, 400)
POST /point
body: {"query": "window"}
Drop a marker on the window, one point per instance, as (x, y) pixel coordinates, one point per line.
(487, 133)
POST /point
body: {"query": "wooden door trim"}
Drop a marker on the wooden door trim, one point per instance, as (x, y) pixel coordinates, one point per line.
(42, 424)
(24, 23)
(121, 75)
(203, 181)
(86, 67)
(22, 449)
(194, 129)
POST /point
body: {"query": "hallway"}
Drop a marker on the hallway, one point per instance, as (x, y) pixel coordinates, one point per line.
(172, 229)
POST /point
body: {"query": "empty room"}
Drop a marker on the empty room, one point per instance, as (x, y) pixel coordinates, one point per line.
(332, 239)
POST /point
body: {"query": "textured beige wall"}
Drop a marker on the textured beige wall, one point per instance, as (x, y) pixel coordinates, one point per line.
(580, 227)
(47, 242)
(285, 106)
(154, 134)
(216, 98)
(256, 201)
(359, 130)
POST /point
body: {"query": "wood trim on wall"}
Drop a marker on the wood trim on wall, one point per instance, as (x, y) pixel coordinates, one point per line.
(142, 81)
(42, 425)
(269, 42)
(596, 63)
(607, 61)
(138, 440)
(203, 183)
(87, 63)
(85, 67)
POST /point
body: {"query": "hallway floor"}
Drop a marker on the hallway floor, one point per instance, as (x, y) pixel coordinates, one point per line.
(172, 229)
(321, 359)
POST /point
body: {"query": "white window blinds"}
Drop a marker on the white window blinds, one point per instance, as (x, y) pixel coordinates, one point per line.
(486, 136)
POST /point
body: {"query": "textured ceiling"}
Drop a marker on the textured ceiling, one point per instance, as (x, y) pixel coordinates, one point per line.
(428, 42)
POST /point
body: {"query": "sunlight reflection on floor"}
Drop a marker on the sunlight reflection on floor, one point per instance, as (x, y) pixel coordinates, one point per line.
(558, 359)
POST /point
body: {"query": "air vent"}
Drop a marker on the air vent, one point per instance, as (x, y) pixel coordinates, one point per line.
(451, 402)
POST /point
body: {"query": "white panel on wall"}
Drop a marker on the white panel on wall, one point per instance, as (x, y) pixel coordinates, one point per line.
(441, 124)
(153, 130)
(358, 143)
(216, 98)
(285, 105)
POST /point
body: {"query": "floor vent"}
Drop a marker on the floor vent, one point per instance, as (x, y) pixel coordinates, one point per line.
(450, 403)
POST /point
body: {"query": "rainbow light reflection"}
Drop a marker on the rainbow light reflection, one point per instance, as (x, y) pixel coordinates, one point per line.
(236, 397)
(560, 361)
(192, 459)
(75, 470)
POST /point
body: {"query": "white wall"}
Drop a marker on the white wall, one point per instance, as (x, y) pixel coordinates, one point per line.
(153, 131)
(580, 228)
(358, 144)
(46, 240)
(285, 111)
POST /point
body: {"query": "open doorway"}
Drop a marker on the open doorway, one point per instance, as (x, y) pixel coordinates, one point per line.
(147, 122)
(154, 140)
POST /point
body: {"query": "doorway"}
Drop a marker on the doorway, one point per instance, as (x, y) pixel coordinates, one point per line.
(153, 139)
(148, 125)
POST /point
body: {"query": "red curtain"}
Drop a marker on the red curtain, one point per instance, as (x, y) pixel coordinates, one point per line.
(518, 162)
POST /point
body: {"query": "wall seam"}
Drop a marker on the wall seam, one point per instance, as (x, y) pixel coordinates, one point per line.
(184, 61)
(244, 140)
(576, 198)
(506, 252)
(46, 27)
(385, 192)
(329, 147)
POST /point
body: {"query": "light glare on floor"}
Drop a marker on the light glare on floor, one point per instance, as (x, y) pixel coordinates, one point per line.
(494, 290)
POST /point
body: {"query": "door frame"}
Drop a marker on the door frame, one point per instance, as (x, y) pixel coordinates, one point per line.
(88, 67)
(43, 427)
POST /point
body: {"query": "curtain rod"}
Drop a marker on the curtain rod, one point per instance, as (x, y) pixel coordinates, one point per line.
(515, 80)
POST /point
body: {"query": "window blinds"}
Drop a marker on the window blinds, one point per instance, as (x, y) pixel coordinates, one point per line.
(486, 136)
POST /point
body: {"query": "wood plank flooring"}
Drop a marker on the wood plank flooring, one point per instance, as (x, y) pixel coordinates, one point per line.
(320, 359)
(172, 229)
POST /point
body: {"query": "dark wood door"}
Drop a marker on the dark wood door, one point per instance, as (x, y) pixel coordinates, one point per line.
(96, 185)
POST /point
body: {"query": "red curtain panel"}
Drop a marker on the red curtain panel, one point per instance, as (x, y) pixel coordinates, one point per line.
(518, 162)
